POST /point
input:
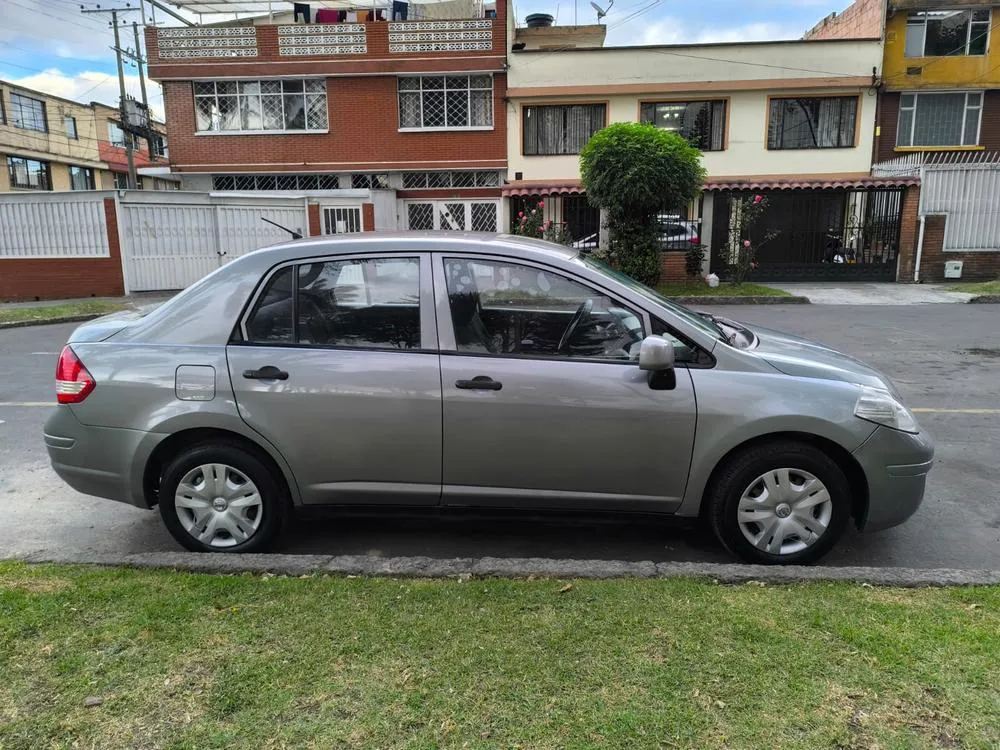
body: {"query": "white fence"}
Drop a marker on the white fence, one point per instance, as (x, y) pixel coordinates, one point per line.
(170, 240)
(54, 226)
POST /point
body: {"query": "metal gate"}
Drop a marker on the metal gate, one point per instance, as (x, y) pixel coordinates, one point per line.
(171, 243)
(814, 235)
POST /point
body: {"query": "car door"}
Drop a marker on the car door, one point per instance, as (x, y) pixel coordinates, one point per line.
(538, 415)
(336, 365)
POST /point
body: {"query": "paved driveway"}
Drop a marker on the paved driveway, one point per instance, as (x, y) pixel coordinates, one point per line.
(945, 359)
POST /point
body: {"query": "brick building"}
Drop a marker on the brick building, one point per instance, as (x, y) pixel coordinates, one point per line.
(386, 123)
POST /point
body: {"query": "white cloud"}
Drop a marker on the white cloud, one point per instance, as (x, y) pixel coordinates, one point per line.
(671, 30)
(87, 86)
(51, 29)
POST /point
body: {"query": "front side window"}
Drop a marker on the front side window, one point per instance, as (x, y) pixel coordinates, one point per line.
(815, 122)
(264, 105)
(940, 119)
(445, 102)
(509, 309)
(81, 178)
(121, 181)
(118, 137)
(560, 129)
(701, 123)
(28, 113)
(70, 124)
(28, 174)
(368, 304)
(946, 33)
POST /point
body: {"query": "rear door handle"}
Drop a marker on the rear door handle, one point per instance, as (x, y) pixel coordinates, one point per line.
(479, 383)
(270, 372)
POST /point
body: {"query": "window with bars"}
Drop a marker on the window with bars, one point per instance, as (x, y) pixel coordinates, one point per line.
(70, 124)
(275, 182)
(453, 215)
(365, 181)
(341, 220)
(560, 129)
(264, 105)
(817, 122)
(701, 123)
(947, 33)
(445, 102)
(160, 147)
(951, 119)
(27, 113)
(81, 178)
(29, 174)
(430, 180)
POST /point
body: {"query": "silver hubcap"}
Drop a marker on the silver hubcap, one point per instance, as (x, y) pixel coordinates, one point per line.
(218, 505)
(785, 511)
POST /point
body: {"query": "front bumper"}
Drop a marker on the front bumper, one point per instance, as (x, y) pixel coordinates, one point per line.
(896, 465)
(102, 461)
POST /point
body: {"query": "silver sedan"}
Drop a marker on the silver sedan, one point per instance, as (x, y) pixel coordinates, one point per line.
(450, 370)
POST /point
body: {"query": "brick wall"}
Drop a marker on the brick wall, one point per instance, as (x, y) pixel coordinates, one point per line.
(363, 135)
(908, 229)
(862, 20)
(314, 223)
(62, 278)
(368, 217)
(672, 266)
(978, 266)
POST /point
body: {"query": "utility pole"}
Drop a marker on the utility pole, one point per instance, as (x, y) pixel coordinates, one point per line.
(139, 61)
(132, 180)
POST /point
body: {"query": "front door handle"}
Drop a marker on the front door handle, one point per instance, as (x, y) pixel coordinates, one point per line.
(269, 372)
(479, 383)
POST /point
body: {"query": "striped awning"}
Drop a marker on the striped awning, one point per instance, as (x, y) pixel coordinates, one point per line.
(792, 184)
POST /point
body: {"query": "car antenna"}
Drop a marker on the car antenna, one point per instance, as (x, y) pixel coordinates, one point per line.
(295, 235)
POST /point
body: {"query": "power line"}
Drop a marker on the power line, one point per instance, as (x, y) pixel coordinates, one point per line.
(94, 25)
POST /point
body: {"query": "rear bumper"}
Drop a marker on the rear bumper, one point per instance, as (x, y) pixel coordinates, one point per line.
(896, 465)
(102, 461)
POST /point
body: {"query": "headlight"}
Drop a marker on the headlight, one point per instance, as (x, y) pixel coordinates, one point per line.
(880, 407)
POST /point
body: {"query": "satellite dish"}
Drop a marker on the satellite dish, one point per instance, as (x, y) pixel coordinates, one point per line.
(601, 12)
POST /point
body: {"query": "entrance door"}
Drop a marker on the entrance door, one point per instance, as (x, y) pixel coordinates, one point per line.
(337, 369)
(544, 402)
(453, 215)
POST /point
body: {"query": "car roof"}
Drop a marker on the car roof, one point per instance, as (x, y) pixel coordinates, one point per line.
(425, 242)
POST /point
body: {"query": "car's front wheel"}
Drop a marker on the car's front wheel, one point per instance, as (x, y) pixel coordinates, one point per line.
(221, 498)
(779, 503)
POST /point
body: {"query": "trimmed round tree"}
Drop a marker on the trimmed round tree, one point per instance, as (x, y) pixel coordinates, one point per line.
(635, 172)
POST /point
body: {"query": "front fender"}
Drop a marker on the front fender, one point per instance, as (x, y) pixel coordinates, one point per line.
(737, 407)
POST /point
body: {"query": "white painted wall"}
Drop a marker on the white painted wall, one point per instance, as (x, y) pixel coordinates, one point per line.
(646, 71)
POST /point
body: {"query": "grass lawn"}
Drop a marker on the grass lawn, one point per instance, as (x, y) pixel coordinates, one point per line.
(196, 661)
(985, 287)
(724, 289)
(46, 312)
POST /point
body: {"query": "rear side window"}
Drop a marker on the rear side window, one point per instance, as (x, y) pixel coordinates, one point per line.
(371, 303)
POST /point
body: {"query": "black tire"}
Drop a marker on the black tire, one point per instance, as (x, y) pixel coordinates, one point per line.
(736, 476)
(271, 488)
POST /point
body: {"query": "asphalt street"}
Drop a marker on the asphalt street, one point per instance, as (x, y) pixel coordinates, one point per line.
(944, 358)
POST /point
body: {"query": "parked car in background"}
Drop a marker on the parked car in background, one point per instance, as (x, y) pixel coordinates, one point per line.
(443, 371)
(677, 233)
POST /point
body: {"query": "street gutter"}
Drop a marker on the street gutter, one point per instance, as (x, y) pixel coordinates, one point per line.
(534, 567)
(985, 299)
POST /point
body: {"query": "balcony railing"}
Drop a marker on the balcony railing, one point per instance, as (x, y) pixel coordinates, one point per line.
(252, 43)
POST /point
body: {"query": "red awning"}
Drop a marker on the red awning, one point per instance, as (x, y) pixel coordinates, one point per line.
(542, 187)
(789, 184)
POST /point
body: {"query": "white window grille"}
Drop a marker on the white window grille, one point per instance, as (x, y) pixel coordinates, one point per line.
(260, 106)
(951, 119)
(275, 182)
(431, 180)
(453, 215)
(445, 102)
(367, 181)
(341, 220)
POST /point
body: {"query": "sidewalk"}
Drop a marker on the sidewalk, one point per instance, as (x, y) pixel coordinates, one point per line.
(887, 293)
(138, 301)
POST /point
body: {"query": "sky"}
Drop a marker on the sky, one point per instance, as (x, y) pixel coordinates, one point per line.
(51, 46)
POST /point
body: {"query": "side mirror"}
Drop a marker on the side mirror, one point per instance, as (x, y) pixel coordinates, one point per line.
(656, 354)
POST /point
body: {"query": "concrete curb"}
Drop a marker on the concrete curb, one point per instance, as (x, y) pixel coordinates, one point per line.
(985, 299)
(740, 300)
(496, 567)
(51, 321)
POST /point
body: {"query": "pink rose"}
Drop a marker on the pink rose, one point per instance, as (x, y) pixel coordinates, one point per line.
(757, 199)
(541, 204)
(521, 214)
(541, 229)
(746, 243)
(548, 224)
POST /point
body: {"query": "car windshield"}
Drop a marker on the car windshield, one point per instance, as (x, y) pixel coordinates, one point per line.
(680, 311)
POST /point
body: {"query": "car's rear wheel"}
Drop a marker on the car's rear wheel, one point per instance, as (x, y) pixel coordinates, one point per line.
(779, 503)
(221, 498)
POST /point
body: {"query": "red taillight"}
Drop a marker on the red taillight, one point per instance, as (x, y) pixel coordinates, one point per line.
(73, 382)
